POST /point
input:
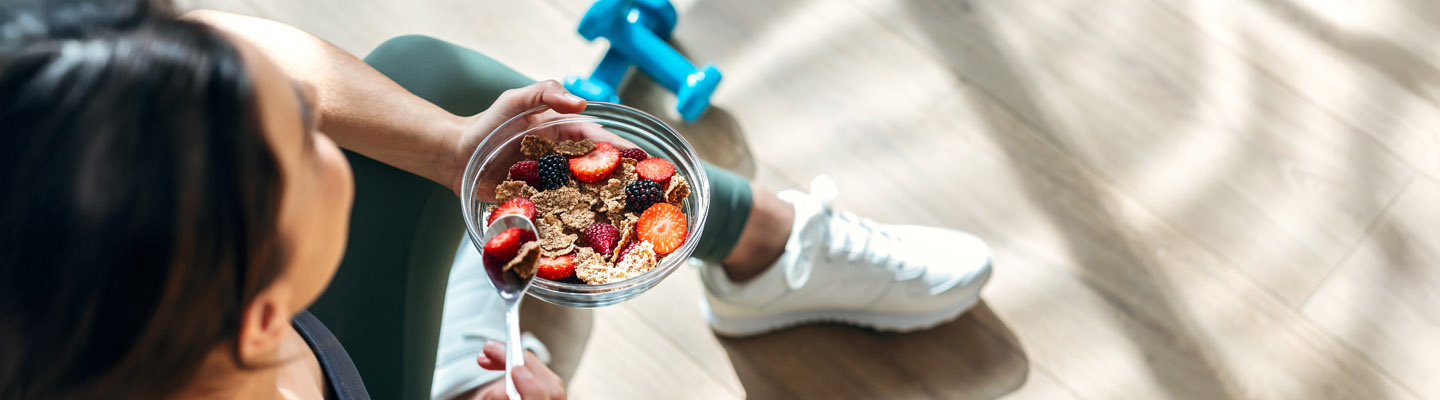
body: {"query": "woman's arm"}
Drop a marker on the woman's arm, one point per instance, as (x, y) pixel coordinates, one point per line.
(360, 109)
(367, 113)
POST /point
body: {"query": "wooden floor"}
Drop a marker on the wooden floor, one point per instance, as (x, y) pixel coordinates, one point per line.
(1201, 199)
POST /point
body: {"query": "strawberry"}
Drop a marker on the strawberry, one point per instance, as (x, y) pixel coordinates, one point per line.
(528, 171)
(596, 165)
(663, 225)
(655, 169)
(516, 206)
(556, 268)
(636, 154)
(504, 245)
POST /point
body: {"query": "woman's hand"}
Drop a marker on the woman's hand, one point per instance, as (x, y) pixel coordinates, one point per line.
(533, 380)
(514, 102)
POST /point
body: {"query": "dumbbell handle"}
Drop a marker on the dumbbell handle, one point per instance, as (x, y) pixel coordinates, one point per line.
(663, 63)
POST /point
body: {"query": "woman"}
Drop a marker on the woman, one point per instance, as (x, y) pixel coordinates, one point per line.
(173, 209)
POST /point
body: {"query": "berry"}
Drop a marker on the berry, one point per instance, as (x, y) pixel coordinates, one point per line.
(573, 280)
(663, 225)
(602, 237)
(505, 245)
(554, 171)
(528, 171)
(595, 165)
(636, 154)
(643, 193)
(627, 249)
(556, 268)
(655, 169)
(515, 206)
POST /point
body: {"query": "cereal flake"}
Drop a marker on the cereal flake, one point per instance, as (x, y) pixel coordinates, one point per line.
(573, 147)
(534, 147)
(675, 194)
(524, 262)
(512, 189)
(559, 200)
(553, 239)
(578, 219)
(639, 260)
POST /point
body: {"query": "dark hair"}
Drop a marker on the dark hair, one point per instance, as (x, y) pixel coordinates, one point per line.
(140, 199)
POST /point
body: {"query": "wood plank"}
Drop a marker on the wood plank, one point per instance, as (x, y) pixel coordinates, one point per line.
(1369, 63)
(1384, 301)
(232, 6)
(532, 39)
(1100, 292)
(672, 310)
(625, 359)
(1183, 125)
(798, 67)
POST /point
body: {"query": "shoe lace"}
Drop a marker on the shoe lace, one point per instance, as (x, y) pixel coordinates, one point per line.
(859, 240)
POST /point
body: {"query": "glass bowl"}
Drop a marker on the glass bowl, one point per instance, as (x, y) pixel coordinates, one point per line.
(490, 165)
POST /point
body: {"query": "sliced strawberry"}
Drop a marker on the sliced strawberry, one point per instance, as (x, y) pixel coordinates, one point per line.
(596, 165)
(655, 169)
(663, 225)
(528, 171)
(556, 268)
(504, 245)
(516, 206)
(636, 154)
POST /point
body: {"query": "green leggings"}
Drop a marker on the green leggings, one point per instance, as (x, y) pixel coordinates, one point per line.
(385, 302)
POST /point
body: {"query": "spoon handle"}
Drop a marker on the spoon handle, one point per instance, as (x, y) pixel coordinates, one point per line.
(514, 354)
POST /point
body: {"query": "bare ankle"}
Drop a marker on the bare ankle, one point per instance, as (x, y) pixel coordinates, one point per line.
(763, 238)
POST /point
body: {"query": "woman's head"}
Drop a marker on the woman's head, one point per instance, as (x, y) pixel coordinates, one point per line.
(167, 201)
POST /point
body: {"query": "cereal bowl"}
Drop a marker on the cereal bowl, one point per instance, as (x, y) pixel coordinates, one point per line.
(489, 166)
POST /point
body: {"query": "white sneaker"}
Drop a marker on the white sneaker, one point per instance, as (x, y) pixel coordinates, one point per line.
(840, 268)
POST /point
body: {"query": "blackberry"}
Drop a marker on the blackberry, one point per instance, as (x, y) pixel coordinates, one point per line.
(643, 193)
(554, 171)
(572, 279)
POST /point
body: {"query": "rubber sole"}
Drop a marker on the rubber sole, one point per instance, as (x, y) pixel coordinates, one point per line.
(737, 327)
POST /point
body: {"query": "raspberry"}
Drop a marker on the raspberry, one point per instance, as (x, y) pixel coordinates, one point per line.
(634, 154)
(554, 171)
(602, 237)
(627, 249)
(528, 171)
(643, 193)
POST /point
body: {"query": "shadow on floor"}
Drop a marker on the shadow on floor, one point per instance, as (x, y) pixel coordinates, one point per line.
(960, 359)
(716, 135)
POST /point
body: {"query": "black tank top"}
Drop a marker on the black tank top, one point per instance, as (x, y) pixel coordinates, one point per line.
(342, 380)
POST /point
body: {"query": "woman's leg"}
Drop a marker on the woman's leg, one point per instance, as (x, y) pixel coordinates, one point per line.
(385, 303)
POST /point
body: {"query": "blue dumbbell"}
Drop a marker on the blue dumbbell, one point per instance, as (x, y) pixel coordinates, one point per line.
(602, 85)
(636, 31)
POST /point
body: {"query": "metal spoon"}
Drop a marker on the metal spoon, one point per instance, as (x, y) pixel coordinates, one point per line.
(512, 289)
